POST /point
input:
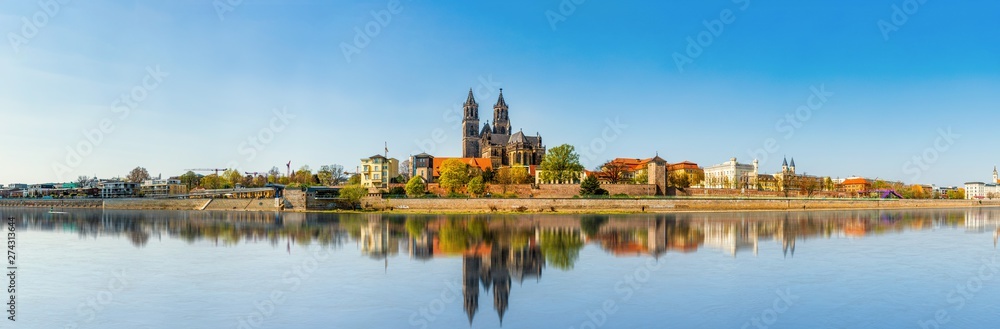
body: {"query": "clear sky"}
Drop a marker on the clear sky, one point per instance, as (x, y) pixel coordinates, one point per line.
(200, 79)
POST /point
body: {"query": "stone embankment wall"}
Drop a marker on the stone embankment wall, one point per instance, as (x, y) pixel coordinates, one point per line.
(54, 203)
(295, 200)
(656, 205)
(155, 204)
(553, 190)
(147, 204)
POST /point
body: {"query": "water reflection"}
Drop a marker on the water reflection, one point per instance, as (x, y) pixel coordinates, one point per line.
(499, 250)
(557, 239)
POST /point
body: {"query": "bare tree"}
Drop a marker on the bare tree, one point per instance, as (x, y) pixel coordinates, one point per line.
(809, 185)
(614, 171)
(137, 175)
(404, 170)
(337, 174)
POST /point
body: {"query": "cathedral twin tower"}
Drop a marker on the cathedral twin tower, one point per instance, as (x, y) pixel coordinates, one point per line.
(503, 147)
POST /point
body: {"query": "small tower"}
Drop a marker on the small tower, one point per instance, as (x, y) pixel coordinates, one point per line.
(784, 165)
(756, 167)
(470, 128)
(501, 122)
(996, 178)
(792, 166)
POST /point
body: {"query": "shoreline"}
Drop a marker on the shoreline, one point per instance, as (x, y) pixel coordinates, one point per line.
(516, 206)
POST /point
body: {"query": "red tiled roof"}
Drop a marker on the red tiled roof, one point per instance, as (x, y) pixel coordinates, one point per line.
(683, 165)
(856, 181)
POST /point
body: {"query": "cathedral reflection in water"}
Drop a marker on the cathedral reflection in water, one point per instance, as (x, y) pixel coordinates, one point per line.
(497, 251)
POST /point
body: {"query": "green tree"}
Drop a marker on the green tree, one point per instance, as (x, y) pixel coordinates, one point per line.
(190, 179)
(561, 165)
(696, 178)
(958, 194)
(519, 175)
(590, 186)
(476, 186)
(679, 179)
(828, 184)
(354, 180)
(325, 175)
(641, 178)
(259, 181)
(137, 175)
(353, 193)
(454, 174)
(211, 182)
(304, 176)
(415, 187)
(231, 177)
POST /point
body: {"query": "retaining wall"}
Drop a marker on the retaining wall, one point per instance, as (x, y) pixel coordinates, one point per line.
(654, 205)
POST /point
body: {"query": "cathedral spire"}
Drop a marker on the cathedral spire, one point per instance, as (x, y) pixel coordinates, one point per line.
(500, 101)
(501, 121)
(470, 127)
(470, 100)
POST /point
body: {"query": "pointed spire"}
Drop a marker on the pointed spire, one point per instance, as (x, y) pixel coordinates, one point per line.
(784, 162)
(793, 161)
(470, 100)
(500, 101)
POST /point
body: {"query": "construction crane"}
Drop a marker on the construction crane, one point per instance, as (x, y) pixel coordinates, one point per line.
(216, 170)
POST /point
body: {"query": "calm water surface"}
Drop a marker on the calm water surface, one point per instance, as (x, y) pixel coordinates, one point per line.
(848, 269)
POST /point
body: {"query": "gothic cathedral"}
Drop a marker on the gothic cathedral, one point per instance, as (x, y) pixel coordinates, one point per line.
(497, 142)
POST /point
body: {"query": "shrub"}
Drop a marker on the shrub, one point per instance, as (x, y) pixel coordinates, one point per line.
(415, 187)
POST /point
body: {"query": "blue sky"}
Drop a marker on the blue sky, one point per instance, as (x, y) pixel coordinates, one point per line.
(223, 76)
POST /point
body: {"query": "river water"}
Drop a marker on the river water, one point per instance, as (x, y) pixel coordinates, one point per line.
(831, 269)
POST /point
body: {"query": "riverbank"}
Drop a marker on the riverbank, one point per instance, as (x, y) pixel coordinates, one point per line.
(527, 205)
(655, 205)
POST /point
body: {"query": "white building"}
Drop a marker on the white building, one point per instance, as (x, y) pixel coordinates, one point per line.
(731, 174)
(980, 190)
(113, 189)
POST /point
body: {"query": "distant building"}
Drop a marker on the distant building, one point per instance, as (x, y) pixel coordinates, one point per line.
(855, 185)
(942, 191)
(980, 190)
(731, 175)
(422, 165)
(651, 171)
(690, 169)
(378, 171)
(117, 189)
(39, 190)
(163, 187)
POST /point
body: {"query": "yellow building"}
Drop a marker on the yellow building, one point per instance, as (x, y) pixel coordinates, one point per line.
(378, 171)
